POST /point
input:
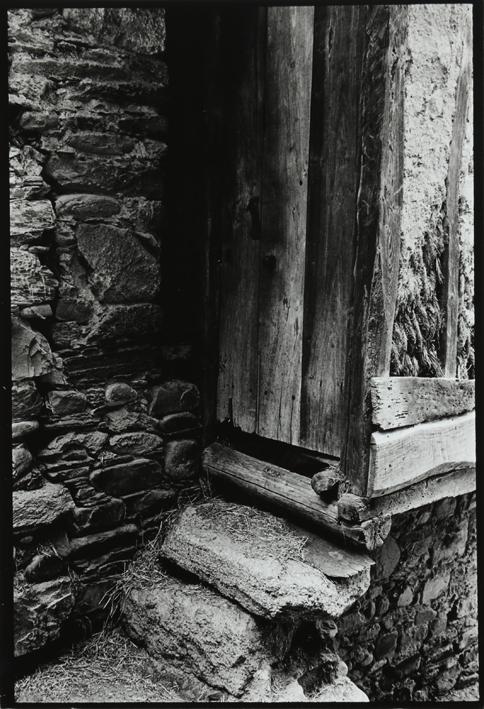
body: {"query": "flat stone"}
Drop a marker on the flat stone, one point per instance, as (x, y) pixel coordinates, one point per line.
(36, 510)
(66, 401)
(86, 206)
(261, 562)
(182, 459)
(146, 502)
(40, 610)
(172, 397)
(136, 443)
(23, 429)
(93, 544)
(124, 478)
(119, 322)
(178, 422)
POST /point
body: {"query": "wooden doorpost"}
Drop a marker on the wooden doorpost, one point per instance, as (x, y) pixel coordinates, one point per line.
(378, 213)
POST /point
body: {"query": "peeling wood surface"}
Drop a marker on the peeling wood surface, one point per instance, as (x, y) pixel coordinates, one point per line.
(289, 492)
(461, 480)
(404, 401)
(404, 456)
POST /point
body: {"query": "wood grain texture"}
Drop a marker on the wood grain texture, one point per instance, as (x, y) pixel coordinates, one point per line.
(460, 481)
(450, 295)
(287, 491)
(405, 401)
(244, 42)
(284, 203)
(407, 455)
(330, 243)
(378, 215)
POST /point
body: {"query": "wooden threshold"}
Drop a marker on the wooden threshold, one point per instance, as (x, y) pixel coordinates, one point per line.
(289, 492)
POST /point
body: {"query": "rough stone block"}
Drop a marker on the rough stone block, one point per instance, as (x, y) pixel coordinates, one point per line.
(124, 322)
(36, 510)
(29, 220)
(386, 644)
(21, 461)
(23, 429)
(45, 566)
(136, 443)
(40, 611)
(119, 393)
(172, 397)
(387, 559)
(66, 401)
(125, 478)
(198, 630)
(434, 587)
(263, 563)
(122, 270)
(26, 400)
(100, 517)
(31, 353)
(31, 283)
(181, 460)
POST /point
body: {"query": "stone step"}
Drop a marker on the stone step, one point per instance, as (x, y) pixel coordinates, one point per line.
(208, 648)
(266, 564)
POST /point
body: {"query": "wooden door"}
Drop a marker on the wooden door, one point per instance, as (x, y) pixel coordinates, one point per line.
(288, 243)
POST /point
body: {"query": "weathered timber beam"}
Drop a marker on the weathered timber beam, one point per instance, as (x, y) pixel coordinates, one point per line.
(404, 401)
(460, 481)
(289, 492)
(450, 266)
(407, 455)
(378, 220)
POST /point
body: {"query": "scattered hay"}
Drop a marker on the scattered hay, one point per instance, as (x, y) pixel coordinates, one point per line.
(264, 530)
(107, 668)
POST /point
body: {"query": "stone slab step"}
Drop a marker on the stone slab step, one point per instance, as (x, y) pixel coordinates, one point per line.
(266, 564)
(210, 649)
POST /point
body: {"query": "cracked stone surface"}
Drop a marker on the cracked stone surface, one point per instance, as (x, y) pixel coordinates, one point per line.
(264, 563)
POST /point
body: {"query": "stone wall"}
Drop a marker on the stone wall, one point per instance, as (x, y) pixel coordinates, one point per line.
(104, 438)
(413, 636)
(439, 45)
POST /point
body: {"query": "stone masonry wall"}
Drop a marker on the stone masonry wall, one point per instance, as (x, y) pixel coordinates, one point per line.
(413, 636)
(104, 438)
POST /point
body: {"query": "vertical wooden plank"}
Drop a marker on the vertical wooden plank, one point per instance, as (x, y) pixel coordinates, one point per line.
(339, 33)
(284, 201)
(377, 227)
(244, 49)
(450, 296)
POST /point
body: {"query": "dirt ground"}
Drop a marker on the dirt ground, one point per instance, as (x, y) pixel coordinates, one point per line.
(107, 668)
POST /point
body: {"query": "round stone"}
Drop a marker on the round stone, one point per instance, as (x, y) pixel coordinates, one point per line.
(22, 429)
(119, 393)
